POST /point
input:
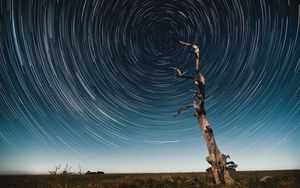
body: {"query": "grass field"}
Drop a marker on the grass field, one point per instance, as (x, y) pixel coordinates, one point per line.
(255, 179)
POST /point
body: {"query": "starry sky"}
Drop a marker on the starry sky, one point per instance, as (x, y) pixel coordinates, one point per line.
(89, 82)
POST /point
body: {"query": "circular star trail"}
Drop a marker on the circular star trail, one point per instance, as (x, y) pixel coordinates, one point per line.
(79, 72)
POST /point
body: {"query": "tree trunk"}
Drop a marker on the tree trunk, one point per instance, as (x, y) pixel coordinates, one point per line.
(215, 157)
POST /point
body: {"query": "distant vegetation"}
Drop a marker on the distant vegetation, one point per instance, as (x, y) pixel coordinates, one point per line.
(67, 171)
(98, 172)
(256, 179)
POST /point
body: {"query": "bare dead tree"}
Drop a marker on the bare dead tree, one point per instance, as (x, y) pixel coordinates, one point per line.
(67, 170)
(215, 158)
(55, 170)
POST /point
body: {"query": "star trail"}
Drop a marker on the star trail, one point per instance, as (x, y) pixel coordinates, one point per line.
(90, 81)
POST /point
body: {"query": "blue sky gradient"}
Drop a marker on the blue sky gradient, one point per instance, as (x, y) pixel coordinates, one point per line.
(89, 83)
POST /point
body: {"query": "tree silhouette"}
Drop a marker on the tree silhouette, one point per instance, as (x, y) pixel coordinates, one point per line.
(219, 167)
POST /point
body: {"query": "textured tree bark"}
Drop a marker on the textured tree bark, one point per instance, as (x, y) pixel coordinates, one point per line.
(215, 157)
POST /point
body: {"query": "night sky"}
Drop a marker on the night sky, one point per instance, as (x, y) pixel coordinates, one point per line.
(89, 83)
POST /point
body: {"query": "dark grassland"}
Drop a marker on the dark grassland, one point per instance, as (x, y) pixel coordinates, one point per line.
(288, 178)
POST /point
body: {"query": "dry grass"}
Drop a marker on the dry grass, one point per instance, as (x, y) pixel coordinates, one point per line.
(255, 179)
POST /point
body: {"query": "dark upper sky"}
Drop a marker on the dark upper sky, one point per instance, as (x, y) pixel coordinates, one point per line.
(90, 82)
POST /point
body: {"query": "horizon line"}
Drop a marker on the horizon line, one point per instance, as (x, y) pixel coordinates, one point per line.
(16, 173)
